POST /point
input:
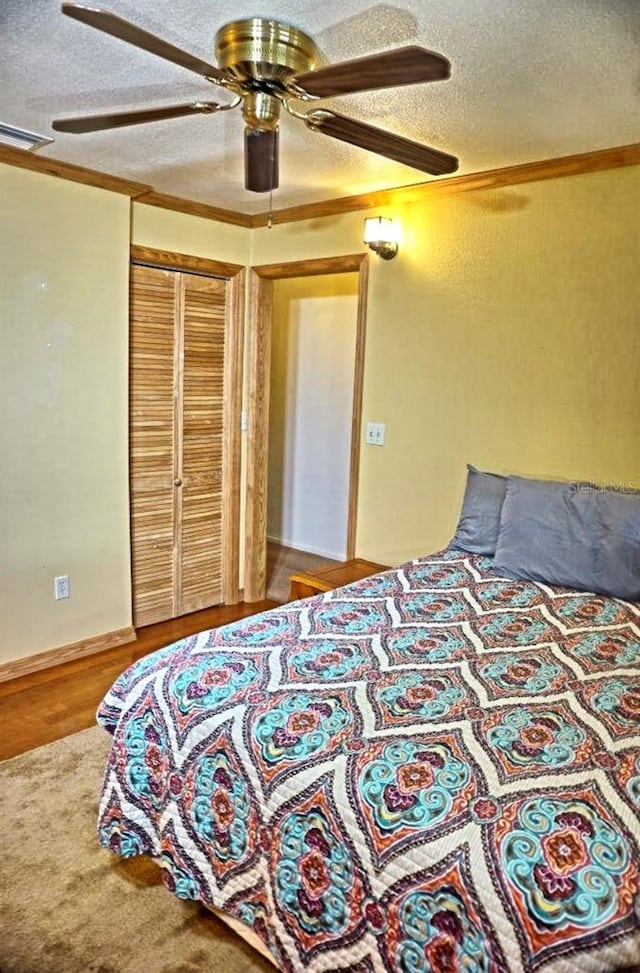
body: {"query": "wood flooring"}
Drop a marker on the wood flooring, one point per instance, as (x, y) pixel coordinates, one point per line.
(282, 562)
(43, 706)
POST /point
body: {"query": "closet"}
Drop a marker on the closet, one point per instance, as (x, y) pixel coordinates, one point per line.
(184, 404)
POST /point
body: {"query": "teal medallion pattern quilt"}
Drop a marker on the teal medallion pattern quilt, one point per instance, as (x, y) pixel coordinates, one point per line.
(432, 770)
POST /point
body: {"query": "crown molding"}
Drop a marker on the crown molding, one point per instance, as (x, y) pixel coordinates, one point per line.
(25, 159)
(569, 165)
(179, 205)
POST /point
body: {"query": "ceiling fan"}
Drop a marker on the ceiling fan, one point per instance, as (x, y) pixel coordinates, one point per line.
(267, 65)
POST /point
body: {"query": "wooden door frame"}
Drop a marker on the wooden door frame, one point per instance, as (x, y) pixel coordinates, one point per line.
(234, 275)
(259, 368)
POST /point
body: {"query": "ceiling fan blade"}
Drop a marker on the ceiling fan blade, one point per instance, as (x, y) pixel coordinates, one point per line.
(125, 31)
(260, 160)
(404, 65)
(96, 123)
(383, 143)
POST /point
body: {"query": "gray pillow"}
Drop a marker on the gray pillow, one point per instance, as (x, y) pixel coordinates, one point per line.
(477, 530)
(571, 534)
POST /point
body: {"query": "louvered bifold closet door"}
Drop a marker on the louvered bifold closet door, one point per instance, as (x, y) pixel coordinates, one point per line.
(151, 445)
(200, 466)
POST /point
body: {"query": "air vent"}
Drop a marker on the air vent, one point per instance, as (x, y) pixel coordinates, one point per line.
(19, 138)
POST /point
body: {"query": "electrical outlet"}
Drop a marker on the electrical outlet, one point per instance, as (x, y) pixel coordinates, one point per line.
(61, 586)
(375, 434)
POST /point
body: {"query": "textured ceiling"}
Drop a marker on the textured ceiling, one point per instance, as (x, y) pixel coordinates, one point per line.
(530, 80)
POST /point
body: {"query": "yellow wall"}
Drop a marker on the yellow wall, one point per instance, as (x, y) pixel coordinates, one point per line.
(506, 333)
(164, 229)
(64, 506)
(63, 401)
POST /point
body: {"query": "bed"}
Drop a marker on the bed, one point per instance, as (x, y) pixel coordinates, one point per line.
(435, 768)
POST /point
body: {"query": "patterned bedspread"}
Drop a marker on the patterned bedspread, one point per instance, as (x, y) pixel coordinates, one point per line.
(432, 769)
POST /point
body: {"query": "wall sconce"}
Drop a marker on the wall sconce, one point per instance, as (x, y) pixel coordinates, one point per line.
(381, 235)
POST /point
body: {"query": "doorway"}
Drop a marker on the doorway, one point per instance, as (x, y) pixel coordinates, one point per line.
(264, 299)
(313, 339)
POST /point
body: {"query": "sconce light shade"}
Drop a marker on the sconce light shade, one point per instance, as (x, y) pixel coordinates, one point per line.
(380, 234)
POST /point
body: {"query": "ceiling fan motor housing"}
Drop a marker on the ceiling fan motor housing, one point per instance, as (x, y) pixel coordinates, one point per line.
(260, 55)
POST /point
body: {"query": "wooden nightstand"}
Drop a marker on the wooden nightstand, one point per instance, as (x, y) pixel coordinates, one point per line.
(305, 585)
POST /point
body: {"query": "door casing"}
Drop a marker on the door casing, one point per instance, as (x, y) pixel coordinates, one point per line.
(259, 365)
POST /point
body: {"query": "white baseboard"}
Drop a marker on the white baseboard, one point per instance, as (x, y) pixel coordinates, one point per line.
(335, 556)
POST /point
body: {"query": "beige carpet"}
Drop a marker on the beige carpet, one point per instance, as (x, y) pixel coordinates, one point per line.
(68, 906)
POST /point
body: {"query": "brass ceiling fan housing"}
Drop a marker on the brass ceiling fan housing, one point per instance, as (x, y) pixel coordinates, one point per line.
(261, 55)
(266, 50)
(266, 65)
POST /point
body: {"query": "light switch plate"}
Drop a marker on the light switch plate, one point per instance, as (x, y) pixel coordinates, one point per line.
(375, 434)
